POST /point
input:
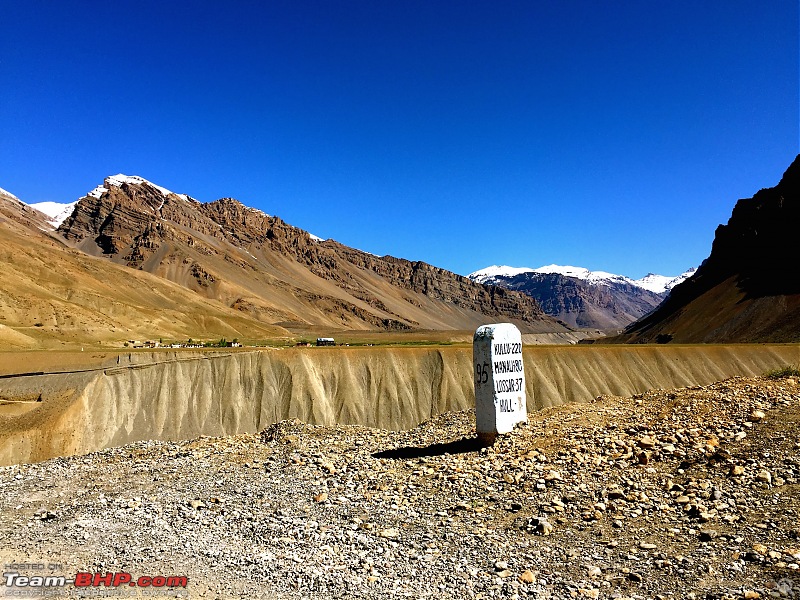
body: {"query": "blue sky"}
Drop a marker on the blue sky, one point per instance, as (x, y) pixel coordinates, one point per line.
(610, 135)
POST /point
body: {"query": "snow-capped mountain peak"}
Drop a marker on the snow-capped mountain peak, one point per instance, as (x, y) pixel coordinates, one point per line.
(489, 273)
(120, 178)
(662, 283)
(57, 212)
(654, 283)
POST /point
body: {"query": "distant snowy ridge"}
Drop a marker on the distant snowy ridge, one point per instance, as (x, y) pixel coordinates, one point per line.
(652, 282)
(489, 273)
(597, 277)
(56, 211)
(662, 283)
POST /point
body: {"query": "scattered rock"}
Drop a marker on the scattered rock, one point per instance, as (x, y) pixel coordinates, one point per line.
(544, 527)
(527, 576)
(764, 475)
(646, 442)
(646, 546)
(706, 535)
(389, 533)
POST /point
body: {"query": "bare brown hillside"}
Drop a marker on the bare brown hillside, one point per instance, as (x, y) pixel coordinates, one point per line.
(55, 296)
(275, 273)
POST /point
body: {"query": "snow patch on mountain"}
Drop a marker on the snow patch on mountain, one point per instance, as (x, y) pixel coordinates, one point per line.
(97, 192)
(490, 273)
(120, 178)
(662, 283)
(57, 212)
(257, 211)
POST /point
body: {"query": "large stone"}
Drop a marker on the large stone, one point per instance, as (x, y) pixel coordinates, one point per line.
(500, 401)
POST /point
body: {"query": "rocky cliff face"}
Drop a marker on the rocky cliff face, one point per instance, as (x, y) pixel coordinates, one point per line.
(749, 288)
(759, 244)
(261, 265)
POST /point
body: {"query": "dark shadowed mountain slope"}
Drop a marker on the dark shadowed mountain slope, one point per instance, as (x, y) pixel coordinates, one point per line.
(748, 290)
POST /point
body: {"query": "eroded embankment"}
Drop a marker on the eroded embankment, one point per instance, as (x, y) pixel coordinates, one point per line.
(178, 396)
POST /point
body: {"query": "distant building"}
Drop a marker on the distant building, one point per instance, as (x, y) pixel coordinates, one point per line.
(325, 342)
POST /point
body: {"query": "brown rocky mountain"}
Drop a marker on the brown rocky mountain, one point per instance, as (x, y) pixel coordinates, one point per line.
(55, 296)
(611, 305)
(260, 269)
(748, 290)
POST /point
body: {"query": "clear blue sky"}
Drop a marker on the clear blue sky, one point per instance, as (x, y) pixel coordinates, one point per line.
(610, 135)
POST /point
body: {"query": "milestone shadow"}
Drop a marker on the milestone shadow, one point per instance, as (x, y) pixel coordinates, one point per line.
(461, 446)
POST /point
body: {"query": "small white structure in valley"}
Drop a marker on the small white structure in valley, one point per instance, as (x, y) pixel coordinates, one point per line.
(500, 401)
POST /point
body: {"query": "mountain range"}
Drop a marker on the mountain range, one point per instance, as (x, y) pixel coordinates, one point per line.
(583, 298)
(134, 259)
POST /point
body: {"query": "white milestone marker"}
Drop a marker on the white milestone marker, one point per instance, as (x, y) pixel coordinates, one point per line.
(499, 380)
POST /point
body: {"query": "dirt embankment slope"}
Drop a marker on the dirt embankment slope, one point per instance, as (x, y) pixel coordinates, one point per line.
(181, 395)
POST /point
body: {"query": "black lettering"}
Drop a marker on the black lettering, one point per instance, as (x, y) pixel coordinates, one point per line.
(508, 366)
(508, 385)
(507, 348)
